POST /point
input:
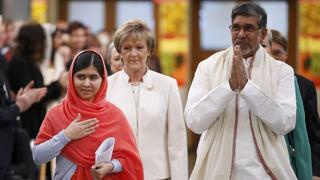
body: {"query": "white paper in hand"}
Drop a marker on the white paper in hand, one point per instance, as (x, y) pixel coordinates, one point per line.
(104, 152)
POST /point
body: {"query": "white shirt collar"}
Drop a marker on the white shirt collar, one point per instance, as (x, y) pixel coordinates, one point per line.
(146, 79)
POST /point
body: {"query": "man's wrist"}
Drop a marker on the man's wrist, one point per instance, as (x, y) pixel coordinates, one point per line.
(19, 106)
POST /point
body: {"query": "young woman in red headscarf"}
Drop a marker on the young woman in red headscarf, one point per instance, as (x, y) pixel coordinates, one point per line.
(73, 130)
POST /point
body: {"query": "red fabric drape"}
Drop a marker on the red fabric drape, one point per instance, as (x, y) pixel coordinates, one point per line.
(112, 123)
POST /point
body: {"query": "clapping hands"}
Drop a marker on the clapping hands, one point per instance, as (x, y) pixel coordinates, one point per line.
(28, 96)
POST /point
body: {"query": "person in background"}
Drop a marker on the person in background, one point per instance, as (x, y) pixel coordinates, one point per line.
(24, 67)
(53, 65)
(63, 59)
(104, 37)
(309, 98)
(78, 37)
(114, 59)
(11, 31)
(53, 71)
(15, 149)
(154, 63)
(151, 103)
(3, 61)
(242, 102)
(94, 43)
(59, 37)
(58, 70)
(62, 24)
(73, 130)
(297, 140)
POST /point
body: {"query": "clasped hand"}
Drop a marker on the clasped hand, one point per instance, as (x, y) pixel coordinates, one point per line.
(238, 77)
(98, 171)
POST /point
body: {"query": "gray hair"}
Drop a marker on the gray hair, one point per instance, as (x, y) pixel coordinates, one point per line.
(269, 36)
(110, 47)
(250, 9)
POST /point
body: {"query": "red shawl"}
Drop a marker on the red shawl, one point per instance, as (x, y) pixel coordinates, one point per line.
(112, 123)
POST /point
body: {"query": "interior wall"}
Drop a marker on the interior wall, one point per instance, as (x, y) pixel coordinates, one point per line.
(16, 10)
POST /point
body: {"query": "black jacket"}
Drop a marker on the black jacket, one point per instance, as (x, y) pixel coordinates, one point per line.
(309, 98)
(8, 115)
(15, 153)
(20, 73)
(4, 65)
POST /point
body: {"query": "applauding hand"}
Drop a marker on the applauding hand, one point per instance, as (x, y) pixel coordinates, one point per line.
(28, 96)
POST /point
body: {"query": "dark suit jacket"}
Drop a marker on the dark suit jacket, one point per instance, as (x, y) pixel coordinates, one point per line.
(4, 65)
(309, 98)
(8, 114)
(15, 153)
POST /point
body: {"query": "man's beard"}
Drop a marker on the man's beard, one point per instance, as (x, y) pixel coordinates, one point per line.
(245, 50)
(245, 47)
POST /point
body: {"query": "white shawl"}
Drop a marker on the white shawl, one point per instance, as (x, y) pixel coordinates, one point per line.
(215, 156)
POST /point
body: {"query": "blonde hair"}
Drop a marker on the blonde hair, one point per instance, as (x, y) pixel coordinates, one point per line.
(136, 29)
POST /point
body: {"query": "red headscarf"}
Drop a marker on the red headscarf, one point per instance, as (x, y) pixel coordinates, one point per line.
(112, 123)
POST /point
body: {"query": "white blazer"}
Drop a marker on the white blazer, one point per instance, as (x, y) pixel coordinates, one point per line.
(157, 123)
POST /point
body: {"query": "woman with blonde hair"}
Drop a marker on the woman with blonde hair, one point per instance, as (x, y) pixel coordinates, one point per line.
(151, 103)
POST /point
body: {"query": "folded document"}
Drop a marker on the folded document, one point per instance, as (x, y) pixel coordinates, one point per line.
(104, 152)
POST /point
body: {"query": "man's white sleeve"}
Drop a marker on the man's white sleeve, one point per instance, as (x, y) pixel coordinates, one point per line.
(278, 113)
(204, 106)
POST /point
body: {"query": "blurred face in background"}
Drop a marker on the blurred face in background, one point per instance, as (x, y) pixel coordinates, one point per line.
(9, 33)
(78, 39)
(278, 52)
(65, 52)
(57, 40)
(115, 61)
(2, 35)
(12, 30)
(60, 38)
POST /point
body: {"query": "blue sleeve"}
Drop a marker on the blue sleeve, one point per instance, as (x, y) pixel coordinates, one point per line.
(117, 167)
(46, 151)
